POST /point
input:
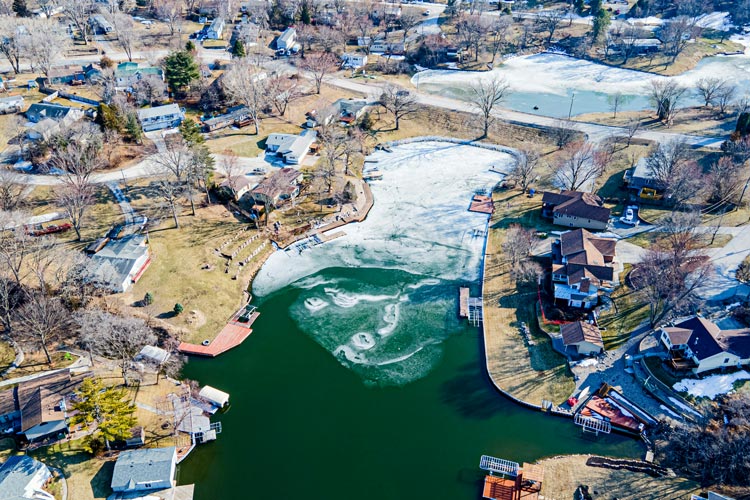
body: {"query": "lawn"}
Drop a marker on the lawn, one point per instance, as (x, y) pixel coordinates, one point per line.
(530, 373)
(647, 239)
(36, 361)
(657, 369)
(209, 296)
(88, 478)
(629, 309)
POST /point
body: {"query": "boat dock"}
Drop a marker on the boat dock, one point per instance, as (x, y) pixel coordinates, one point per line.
(237, 329)
(482, 204)
(469, 307)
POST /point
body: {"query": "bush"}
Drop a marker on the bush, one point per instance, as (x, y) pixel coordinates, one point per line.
(106, 62)
(367, 121)
(178, 308)
(148, 299)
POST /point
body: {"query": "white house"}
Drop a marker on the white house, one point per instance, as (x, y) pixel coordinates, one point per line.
(22, 478)
(121, 262)
(700, 345)
(383, 47)
(216, 30)
(292, 148)
(215, 396)
(287, 39)
(145, 469)
(160, 117)
(353, 61)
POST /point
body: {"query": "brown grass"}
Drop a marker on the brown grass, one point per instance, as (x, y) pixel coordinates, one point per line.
(562, 475)
(530, 373)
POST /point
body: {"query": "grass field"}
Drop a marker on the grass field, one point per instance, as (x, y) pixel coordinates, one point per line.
(88, 478)
(650, 238)
(629, 309)
(530, 373)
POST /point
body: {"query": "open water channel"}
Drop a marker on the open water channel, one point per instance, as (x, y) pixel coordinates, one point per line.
(359, 381)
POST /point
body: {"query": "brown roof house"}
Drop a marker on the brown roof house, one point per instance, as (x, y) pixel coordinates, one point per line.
(581, 266)
(584, 337)
(39, 408)
(575, 209)
(280, 186)
(700, 345)
(238, 186)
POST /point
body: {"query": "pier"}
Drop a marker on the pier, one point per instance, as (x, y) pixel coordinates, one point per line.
(237, 329)
(469, 307)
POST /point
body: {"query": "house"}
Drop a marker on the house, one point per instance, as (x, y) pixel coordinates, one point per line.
(66, 75)
(160, 117)
(100, 25)
(382, 47)
(233, 115)
(23, 478)
(711, 496)
(37, 409)
(49, 118)
(145, 469)
(581, 267)
(345, 111)
(642, 181)
(281, 185)
(292, 148)
(12, 104)
(240, 184)
(152, 354)
(92, 71)
(287, 39)
(575, 209)
(583, 336)
(353, 61)
(121, 262)
(700, 345)
(637, 47)
(216, 30)
(128, 74)
(137, 437)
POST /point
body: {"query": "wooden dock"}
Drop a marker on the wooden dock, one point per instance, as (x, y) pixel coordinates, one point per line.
(469, 307)
(463, 302)
(233, 334)
(482, 204)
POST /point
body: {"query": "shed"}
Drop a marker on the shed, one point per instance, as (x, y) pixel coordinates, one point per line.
(217, 397)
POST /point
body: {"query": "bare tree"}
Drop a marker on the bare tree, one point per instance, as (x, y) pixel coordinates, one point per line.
(14, 42)
(409, 19)
(76, 192)
(46, 43)
(41, 321)
(318, 66)
(498, 36)
(127, 37)
(77, 13)
(399, 102)
(283, 90)
(333, 144)
(472, 29)
(231, 169)
(674, 171)
(671, 271)
(170, 11)
(634, 125)
(549, 20)
(615, 101)
(149, 90)
(708, 87)
(724, 180)
(484, 95)
(246, 84)
(628, 41)
(677, 34)
(665, 94)
(114, 337)
(525, 167)
(724, 98)
(13, 192)
(563, 133)
(577, 166)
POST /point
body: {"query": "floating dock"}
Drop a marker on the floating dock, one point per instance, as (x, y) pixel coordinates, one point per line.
(482, 204)
(469, 307)
(237, 329)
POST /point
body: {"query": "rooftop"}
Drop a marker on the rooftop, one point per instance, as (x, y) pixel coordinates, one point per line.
(577, 204)
(17, 478)
(136, 467)
(581, 331)
(157, 111)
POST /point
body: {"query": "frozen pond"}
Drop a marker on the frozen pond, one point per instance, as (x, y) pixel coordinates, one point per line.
(390, 329)
(552, 81)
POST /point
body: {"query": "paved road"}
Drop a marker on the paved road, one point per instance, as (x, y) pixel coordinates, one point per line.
(594, 131)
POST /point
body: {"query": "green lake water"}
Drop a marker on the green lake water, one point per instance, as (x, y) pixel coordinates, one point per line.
(305, 423)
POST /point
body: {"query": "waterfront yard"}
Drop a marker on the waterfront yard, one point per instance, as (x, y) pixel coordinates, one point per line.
(531, 373)
(627, 311)
(563, 475)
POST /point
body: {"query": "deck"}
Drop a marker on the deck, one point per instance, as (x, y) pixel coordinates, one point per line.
(463, 302)
(482, 204)
(232, 335)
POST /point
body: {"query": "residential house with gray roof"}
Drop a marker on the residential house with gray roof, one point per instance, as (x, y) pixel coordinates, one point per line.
(128, 74)
(575, 209)
(23, 478)
(700, 345)
(145, 469)
(292, 148)
(122, 262)
(160, 117)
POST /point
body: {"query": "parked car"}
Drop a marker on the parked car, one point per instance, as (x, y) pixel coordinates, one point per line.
(426, 13)
(629, 217)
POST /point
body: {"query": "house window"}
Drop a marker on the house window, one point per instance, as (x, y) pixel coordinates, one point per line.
(726, 360)
(147, 485)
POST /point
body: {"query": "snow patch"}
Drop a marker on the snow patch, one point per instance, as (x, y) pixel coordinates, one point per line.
(712, 386)
(685, 407)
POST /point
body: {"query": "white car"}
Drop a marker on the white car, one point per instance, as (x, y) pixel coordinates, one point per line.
(629, 217)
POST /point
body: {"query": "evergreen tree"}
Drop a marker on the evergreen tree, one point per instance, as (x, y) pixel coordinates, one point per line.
(305, 16)
(594, 7)
(191, 132)
(20, 8)
(190, 46)
(580, 5)
(743, 124)
(180, 69)
(108, 117)
(106, 407)
(600, 25)
(133, 128)
(239, 48)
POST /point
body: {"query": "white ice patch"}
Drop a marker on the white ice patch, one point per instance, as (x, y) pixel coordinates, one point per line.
(314, 304)
(391, 319)
(347, 300)
(712, 386)
(419, 222)
(684, 407)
